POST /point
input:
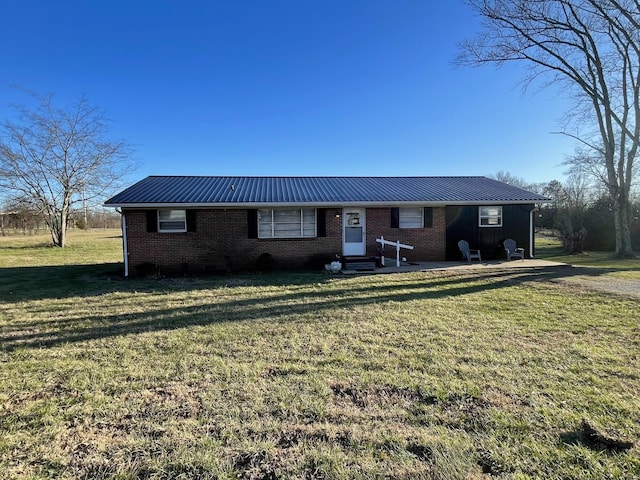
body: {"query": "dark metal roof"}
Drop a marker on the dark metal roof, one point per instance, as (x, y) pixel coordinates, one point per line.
(318, 191)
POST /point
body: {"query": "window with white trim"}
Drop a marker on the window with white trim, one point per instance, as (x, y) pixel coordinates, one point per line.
(287, 223)
(411, 217)
(172, 221)
(491, 216)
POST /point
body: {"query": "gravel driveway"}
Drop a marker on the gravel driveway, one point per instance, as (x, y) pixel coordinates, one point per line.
(595, 279)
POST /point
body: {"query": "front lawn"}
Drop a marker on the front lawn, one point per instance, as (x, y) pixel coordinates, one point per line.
(434, 375)
(550, 248)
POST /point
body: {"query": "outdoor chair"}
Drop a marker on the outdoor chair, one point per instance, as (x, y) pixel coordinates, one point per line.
(512, 250)
(468, 253)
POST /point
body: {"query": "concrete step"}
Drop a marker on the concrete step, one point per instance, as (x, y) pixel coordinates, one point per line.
(359, 263)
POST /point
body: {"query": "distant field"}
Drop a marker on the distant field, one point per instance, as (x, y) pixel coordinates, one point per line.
(31, 266)
(96, 246)
(481, 374)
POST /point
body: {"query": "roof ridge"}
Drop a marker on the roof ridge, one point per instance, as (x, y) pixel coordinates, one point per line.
(318, 176)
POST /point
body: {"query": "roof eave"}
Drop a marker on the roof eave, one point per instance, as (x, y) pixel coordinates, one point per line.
(323, 204)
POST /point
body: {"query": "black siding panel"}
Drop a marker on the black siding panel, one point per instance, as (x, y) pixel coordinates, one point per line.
(462, 224)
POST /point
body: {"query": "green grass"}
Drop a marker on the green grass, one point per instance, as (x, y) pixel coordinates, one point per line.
(32, 267)
(85, 247)
(479, 374)
(550, 248)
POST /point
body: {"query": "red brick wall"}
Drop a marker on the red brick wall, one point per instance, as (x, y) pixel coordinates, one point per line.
(221, 243)
(429, 243)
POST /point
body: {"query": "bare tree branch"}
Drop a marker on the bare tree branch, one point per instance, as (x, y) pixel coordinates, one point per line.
(53, 158)
(590, 47)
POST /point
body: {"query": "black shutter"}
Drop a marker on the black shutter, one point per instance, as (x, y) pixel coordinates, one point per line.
(191, 220)
(428, 217)
(252, 223)
(152, 221)
(395, 217)
(321, 222)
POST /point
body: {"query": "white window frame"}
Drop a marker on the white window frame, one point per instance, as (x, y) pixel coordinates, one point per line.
(172, 230)
(273, 234)
(488, 219)
(407, 217)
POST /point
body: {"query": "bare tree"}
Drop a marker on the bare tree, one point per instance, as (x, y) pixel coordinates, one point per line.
(569, 209)
(592, 49)
(54, 158)
(510, 179)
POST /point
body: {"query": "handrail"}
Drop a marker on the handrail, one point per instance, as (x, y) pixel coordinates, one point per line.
(398, 246)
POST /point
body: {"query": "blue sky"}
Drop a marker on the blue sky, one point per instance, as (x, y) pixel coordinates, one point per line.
(248, 87)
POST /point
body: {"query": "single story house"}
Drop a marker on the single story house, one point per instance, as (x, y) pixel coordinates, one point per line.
(178, 224)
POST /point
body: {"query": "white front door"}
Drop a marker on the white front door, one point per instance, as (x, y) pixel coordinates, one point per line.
(353, 231)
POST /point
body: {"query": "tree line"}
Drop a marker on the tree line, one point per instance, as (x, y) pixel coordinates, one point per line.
(590, 51)
(580, 213)
(25, 221)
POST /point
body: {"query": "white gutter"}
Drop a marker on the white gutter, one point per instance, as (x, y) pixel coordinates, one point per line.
(125, 250)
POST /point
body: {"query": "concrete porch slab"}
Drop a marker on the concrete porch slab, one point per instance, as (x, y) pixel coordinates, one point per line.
(428, 266)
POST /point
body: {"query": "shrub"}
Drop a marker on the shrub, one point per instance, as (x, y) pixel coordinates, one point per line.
(265, 263)
(317, 261)
(146, 269)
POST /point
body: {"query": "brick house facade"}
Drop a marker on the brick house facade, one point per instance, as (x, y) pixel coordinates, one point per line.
(188, 224)
(219, 241)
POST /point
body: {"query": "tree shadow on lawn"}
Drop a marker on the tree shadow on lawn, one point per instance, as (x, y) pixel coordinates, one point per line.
(29, 246)
(294, 303)
(19, 284)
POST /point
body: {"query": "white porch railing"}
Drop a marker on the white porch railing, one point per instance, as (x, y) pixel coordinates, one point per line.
(398, 246)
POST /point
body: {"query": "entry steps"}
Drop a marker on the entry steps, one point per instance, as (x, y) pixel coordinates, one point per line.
(358, 263)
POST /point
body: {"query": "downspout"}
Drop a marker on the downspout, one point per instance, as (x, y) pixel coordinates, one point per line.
(125, 250)
(531, 232)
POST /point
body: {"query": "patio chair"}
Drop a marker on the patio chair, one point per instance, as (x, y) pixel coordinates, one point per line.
(512, 250)
(468, 253)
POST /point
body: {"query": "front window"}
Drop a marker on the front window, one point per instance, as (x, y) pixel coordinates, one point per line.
(287, 223)
(172, 220)
(491, 216)
(412, 217)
